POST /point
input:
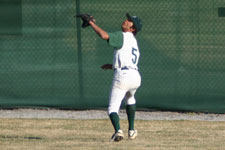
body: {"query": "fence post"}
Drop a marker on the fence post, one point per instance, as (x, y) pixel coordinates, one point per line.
(79, 50)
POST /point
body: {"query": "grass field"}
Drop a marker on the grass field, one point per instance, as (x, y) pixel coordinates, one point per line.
(63, 134)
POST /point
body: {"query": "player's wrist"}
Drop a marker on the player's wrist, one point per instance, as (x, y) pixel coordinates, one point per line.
(91, 22)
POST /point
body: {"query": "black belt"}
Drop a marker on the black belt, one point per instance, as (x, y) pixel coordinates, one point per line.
(125, 68)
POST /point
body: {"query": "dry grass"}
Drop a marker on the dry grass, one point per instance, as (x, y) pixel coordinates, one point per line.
(44, 134)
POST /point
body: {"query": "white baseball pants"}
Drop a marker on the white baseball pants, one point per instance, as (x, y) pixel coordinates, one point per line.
(124, 85)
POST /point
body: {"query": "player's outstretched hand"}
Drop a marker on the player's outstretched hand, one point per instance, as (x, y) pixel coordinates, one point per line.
(106, 66)
(86, 19)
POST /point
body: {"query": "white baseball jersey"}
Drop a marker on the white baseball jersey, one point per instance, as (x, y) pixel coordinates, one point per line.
(128, 54)
(126, 78)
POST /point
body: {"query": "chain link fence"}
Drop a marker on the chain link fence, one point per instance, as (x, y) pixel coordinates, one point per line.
(51, 61)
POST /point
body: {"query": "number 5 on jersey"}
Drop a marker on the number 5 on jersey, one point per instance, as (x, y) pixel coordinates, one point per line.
(134, 53)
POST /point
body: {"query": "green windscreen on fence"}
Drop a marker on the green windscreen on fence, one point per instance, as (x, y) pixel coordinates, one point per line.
(53, 62)
(10, 17)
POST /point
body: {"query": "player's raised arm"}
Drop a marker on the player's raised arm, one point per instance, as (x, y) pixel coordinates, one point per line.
(103, 34)
(89, 20)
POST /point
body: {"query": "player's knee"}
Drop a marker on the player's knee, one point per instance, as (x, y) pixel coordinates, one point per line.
(131, 101)
(112, 110)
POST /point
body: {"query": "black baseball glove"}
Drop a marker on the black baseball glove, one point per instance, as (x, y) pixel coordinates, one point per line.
(86, 18)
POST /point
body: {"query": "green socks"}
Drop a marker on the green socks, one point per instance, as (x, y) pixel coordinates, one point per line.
(130, 109)
(115, 121)
(131, 115)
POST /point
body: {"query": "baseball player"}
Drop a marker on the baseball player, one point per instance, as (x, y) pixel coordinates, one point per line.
(126, 78)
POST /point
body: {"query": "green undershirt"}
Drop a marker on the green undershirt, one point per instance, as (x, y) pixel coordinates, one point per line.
(116, 39)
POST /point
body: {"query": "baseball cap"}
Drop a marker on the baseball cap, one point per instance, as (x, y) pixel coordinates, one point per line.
(136, 21)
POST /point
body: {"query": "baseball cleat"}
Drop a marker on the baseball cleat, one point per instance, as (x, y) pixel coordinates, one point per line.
(132, 134)
(118, 136)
